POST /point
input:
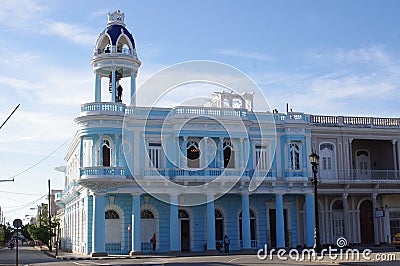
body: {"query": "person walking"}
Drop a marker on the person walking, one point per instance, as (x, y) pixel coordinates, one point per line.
(226, 243)
(153, 241)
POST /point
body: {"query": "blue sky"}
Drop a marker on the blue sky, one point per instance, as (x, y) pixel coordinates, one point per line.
(322, 57)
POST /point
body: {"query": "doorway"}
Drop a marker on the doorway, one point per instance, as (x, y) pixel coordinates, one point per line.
(272, 227)
(184, 228)
(366, 222)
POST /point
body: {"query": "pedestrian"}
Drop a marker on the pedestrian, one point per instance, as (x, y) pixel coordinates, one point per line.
(153, 241)
(226, 243)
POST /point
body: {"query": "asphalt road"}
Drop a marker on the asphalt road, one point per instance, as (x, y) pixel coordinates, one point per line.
(27, 255)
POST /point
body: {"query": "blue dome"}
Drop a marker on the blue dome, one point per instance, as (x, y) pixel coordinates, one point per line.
(115, 31)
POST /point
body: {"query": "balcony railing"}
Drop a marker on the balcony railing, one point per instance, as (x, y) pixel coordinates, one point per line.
(208, 173)
(113, 247)
(253, 243)
(108, 108)
(359, 176)
(208, 111)
(103, 171)
(352, 121)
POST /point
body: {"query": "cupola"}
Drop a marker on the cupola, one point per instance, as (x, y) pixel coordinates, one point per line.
(115, 58)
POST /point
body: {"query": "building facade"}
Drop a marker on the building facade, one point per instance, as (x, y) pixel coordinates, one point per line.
(133, 171)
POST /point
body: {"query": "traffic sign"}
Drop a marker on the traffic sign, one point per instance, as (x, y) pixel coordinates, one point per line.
(17, 223)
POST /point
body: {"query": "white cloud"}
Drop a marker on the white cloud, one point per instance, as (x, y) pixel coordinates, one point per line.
(70, 32)
(247, 55)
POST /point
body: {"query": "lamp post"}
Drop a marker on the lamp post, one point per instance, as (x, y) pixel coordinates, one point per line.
(314, 160)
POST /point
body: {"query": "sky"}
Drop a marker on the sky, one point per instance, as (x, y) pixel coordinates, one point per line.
(321, 57)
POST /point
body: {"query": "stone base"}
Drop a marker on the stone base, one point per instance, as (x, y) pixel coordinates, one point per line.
(174, 252)
(134, 253)
(249, 250)
(212, 252)
(98, 254)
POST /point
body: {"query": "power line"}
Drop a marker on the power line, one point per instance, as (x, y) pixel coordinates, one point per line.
(17, 208)
(45, 158)
(15, 109)
(18, 193)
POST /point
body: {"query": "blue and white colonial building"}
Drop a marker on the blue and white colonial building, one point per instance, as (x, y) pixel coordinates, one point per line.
(122, 186)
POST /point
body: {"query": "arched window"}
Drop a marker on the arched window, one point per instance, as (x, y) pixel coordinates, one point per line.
(111, 214)
(294, 151)
(338, 220)
(182, 214)
(229, 155)
(193, 154)
(252, 225)
(146, 214)
(219, 225)
(106, 153)
(327, 160)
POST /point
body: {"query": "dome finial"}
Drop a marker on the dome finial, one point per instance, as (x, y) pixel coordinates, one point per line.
(117, 17)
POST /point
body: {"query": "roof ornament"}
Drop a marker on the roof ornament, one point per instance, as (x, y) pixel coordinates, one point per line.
(116, 18)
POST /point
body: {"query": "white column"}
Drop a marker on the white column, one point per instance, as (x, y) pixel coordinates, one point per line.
(241, 152)
(204, 151)
(100, 159)
(184, 151)
(135, 227)
(174, 236)
(353, 214)
(327, 227)
(346, 216)
(97, 92)
(133, 88)
(376, 228)
(113, 83)
(350, 154)
(246, 234)
(221, 152)
(394, 157)
(117, 149)
(210, 222)
(81, 152)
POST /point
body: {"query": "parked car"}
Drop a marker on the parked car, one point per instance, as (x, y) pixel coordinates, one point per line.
(396, 240)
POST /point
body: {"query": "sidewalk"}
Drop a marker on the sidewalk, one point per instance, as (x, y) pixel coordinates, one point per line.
(62, 255)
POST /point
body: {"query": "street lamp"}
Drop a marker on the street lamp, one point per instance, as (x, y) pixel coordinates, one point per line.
(314, 160)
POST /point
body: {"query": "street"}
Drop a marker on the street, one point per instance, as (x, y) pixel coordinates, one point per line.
(27, 255)
(31, 256)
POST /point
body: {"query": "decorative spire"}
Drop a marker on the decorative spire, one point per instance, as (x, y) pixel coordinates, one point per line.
(117, 17)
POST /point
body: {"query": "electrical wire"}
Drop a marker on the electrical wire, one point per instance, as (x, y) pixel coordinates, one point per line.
(17, 208)
(42, 160)
(18, 193)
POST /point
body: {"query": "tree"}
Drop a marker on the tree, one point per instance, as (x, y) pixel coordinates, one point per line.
(41, 231)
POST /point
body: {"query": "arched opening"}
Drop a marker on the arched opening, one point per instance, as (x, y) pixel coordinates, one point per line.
(148, 228)
(104, 45)
(123, 45)
(327, 161)
(113, 232)
(229, 155)
(363, 163)
(193, 154)
(366, 222)
(106, 153)
(337, 220)
(184, 229)
(252, 227)
(219, 227)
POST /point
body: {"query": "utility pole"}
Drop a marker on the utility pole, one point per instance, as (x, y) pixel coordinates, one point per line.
(50, 249)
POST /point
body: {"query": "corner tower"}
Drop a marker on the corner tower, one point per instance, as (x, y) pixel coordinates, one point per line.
(115, 58)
